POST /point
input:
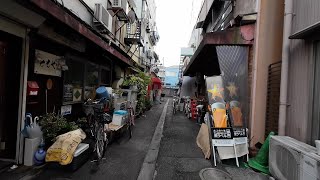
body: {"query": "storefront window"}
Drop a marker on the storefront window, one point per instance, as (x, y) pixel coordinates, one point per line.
(105, 77)
(82, 79)
(73, 81)
(92, 80)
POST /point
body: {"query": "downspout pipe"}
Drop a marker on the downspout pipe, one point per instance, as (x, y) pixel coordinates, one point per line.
(288, 15)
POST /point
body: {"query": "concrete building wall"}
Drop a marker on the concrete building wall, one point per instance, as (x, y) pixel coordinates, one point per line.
(301, 68)
(148, 15)
(267, 50)
(195, 38)
(306, 13)
(152, 9)
(245, 7)
(138, 8)
(80, 10)
(206, 5)
(300, 65)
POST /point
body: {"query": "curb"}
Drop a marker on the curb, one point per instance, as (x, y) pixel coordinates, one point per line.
(149, 164)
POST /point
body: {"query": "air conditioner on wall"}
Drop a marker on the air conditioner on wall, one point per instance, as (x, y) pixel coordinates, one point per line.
(149, 54)
(290, 159)
(103, 19)
(116, 3)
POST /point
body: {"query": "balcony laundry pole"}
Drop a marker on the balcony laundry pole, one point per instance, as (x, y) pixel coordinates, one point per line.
(288, 15)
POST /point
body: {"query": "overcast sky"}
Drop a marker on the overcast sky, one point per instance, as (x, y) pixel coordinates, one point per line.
(175, 20)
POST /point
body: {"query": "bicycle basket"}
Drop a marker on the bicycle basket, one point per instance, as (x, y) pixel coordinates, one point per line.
(106, 118)
(88, 109)
(98, 108)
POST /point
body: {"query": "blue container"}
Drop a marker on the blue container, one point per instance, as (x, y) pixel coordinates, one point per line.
(40, 155)
(102, 92)
(121, 112)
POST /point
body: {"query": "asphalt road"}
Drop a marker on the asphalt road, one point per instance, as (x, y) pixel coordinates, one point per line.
(179, 156)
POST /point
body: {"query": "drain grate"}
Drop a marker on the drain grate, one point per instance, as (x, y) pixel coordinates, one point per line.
(212, 173)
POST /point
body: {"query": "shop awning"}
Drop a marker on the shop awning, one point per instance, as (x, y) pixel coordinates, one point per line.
(310, 31)
(134, 69)
(205, 59)
(63, 16)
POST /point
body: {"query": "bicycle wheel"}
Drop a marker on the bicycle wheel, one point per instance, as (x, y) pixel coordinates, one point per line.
(130, 131)
(131, 123)
(132, 117)
(174, 108)
(101, 141)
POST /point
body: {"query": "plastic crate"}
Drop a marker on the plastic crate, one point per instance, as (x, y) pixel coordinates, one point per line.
(81, 156)
(119, 120)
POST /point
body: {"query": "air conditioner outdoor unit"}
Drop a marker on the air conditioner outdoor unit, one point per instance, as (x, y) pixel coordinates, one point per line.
(118, 3)
(149, 54)
(290, 159)
(103, 19)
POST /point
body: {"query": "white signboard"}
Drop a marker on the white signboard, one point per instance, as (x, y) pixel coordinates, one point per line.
(65, 110)
(230, 143)
(47, 64)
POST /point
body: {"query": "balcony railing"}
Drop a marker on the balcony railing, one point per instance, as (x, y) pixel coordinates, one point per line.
(155, 55)
(154, 37)
(134, 34)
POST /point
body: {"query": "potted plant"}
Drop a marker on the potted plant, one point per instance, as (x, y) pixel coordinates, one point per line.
(53, 125)
(132, 82)
(125, 84)
(138, 82)
(118, 93)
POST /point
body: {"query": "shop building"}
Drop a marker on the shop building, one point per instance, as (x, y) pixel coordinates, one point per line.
(149, 33)
(232, 39)
(300, 99)
(16, 24)
(55, 54)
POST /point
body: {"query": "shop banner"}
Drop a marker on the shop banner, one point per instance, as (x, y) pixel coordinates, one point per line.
(47, 64)
(233, 62)
(227, 95)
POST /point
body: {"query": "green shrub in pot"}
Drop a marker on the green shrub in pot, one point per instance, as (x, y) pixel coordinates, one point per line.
(53, 125)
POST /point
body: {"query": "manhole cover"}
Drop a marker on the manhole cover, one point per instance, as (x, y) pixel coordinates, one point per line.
(212, 173)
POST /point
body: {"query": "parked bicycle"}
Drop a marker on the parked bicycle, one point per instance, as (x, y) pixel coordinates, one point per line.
(187, 108)
(97, 119)
(175, 104)
(131, 116)
(200, 111)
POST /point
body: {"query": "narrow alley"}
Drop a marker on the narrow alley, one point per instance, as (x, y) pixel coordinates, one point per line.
(179, 156)
(159, 90)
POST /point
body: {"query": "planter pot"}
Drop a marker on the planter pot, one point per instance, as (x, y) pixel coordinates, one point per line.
(134, 88)
(125, 93)
(125, 87)
(116, 96)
